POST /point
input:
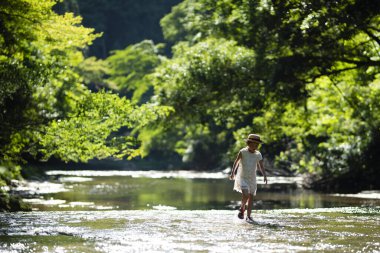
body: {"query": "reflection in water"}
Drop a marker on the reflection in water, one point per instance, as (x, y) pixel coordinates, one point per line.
(181, 190)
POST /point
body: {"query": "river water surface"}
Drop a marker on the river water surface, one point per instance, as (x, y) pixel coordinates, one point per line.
(182, 211)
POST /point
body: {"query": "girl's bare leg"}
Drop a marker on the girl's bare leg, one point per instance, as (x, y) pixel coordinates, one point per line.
(244, 198)
(250, 204)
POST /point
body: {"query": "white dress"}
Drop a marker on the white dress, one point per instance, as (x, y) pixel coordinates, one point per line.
(246, 172)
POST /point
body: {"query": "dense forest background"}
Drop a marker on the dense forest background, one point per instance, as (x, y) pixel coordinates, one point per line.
(186, 81)
(122, 22)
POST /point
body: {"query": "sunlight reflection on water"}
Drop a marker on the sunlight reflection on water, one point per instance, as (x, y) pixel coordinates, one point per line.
(176, 216)
(180, 231)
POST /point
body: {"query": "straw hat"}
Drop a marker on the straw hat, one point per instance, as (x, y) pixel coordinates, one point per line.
(254, 138)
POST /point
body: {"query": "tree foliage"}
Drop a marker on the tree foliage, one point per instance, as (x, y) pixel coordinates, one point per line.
(44, 107)
(38, 48)
(303, 74)
(129, 69)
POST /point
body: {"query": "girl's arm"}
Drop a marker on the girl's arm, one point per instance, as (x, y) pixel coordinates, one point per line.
(262, 169)
(235, 166)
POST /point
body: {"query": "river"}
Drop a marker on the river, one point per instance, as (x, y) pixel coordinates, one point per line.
(184, 211)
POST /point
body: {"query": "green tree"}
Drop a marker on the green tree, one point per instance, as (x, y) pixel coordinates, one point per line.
(38, 50)
(129, 69)
(194, 82)
(44, 107)
(308, 59)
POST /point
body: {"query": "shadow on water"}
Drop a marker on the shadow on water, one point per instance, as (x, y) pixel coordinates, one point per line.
(255, 224)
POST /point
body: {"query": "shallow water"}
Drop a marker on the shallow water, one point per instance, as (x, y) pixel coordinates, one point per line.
(124, 211)
(287, 230)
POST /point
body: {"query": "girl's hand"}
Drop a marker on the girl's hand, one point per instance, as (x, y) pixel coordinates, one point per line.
(232, 177)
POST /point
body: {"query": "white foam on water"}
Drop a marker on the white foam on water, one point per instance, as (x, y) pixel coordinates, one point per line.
(187, 174)
(75, 179)
(163, 207)
(37, 187)
(79, 203)
(140, 173)
(48, 202)
(348, 210)
(363, 194)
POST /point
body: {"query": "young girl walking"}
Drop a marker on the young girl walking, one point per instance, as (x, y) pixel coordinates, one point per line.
(244, 173)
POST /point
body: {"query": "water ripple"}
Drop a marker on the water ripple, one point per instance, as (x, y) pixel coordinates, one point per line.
(182, 231)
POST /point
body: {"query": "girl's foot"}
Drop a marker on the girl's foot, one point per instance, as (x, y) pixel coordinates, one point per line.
(249, 219)
(241, 214)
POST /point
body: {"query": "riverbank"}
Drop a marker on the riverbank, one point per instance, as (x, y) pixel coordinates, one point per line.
(10, 178)
(12, 202)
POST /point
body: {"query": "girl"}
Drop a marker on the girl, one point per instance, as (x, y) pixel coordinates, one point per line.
(248, 159)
